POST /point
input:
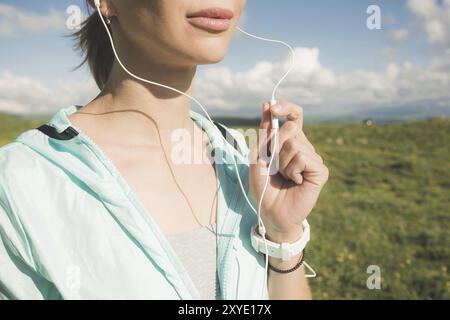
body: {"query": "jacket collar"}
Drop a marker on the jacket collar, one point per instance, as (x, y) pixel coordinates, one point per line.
(113, 191)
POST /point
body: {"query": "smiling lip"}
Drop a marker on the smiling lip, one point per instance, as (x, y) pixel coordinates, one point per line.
(212, 19)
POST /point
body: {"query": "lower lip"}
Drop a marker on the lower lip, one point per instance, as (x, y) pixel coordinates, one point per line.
(210, 24)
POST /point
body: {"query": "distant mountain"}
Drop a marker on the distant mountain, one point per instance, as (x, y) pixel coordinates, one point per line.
(249, 116)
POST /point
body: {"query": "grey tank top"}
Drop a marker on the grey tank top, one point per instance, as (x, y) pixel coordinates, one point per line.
(197, 251)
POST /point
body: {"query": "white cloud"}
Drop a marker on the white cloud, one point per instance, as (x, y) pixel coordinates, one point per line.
(398, 34)
(322, 90)
(317, 88)
(24, 95)
(14, 21)
(435, 16)
(442, 62)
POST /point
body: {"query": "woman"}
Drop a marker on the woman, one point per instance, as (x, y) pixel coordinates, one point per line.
(93, 205)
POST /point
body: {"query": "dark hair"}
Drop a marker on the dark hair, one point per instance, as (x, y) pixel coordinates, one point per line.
(93, 42)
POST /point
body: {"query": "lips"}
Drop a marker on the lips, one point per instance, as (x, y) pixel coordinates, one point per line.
(211, 19)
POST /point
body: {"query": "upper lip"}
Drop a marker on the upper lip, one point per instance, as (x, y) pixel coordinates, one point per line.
(215, 13)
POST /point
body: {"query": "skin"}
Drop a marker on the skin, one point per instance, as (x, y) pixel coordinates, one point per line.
(132, 123)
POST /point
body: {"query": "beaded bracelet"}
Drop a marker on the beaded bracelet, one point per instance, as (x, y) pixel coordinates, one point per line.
(298, 265)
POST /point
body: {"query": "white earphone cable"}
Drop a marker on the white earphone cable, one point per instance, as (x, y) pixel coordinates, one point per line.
(280, 42)
(229, 147)
(275, 127)
(177, 91)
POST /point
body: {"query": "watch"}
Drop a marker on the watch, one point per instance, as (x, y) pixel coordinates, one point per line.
(284, 251)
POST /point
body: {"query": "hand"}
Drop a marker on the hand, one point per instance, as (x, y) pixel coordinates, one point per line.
(293, 192)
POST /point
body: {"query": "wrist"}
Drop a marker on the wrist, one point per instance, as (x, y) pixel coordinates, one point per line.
(284, 265)
(282, 245)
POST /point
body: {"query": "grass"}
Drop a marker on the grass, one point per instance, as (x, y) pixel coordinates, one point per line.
(387, 203)
(11, 126)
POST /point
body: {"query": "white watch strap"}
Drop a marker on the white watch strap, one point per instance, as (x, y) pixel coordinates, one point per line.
(284, 251)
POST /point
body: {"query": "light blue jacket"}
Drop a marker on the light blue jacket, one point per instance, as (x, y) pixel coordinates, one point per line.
(71, 227)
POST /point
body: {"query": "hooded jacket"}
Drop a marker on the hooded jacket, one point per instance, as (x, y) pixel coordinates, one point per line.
(72, 228)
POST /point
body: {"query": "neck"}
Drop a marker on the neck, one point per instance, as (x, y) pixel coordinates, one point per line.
(140, 109)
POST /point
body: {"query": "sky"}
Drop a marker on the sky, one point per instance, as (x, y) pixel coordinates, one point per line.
(342, 68)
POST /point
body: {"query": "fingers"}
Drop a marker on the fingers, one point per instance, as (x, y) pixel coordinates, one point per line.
(296, 155)
(291, 111)
(288, 130)
(294, 124)
(295, 168)
(315, 172)
(298, 161)
(306, 142)
(293, 146)
(303, 168)
(293, 127)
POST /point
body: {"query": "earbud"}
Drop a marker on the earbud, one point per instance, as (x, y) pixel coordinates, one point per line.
(97, 3)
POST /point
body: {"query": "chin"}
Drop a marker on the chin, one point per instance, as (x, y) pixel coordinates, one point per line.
(212, 59)
(210, 54)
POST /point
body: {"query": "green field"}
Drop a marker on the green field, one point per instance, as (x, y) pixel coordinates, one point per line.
(11, 126)
(387, 203)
